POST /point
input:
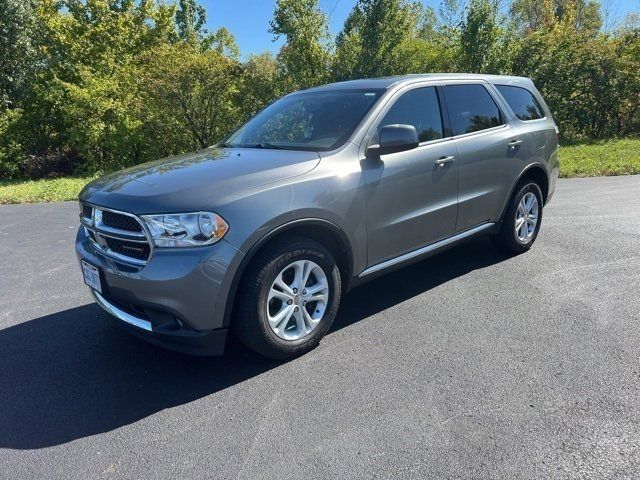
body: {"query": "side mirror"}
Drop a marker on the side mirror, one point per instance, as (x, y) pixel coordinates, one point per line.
(396, 138)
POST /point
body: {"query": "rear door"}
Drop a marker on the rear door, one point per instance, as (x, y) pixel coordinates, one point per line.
(412, 195)
(490, 151)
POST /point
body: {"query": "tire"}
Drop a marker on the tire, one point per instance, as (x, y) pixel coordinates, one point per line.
(260, 299)
(510, 240)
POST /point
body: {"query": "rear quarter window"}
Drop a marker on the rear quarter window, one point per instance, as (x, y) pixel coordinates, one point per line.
(522, 102)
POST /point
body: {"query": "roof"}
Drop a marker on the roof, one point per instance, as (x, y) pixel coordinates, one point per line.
(384, 83)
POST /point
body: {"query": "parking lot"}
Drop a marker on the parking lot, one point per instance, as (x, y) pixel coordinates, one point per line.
(471, 364)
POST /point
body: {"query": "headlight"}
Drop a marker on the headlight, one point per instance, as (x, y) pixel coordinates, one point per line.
(186, 229)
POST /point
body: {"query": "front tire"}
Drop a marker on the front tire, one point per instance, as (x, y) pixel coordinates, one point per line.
(288, 298)
(522, 219)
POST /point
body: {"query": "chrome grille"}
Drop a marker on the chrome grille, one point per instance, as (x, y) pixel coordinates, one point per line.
(122, 222)
(139, 251)
(119, 235)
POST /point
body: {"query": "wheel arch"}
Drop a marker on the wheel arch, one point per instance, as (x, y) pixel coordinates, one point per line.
(535, 172)
(538, 174)
(330, 235)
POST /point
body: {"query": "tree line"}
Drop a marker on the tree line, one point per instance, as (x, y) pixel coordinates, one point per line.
(89, 86)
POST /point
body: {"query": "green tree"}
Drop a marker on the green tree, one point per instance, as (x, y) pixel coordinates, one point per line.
(223, 41)
(532, 15)
(17, 49)
(305, 57)
(86, 101)
(482, 39)
(576, 73)
(101, 84)
(192, 98)
(451, 14)
(190, 24)
(390, 37)
(260, 83)
(191, 19)
(371, 36)
(101, 34)
(626, 117)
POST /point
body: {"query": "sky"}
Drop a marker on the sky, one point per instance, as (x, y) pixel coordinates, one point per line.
(248, 20)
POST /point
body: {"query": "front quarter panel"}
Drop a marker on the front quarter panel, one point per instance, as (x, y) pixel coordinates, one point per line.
(331, 192)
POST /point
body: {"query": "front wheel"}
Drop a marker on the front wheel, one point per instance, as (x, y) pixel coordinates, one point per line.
(288, 299)
(522, 220)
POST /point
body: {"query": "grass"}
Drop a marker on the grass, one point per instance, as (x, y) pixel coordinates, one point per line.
(592, 159)
(602, 158)
(46, 190)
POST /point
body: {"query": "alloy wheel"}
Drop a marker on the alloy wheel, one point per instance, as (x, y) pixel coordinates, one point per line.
(297, 300)
(527, 217)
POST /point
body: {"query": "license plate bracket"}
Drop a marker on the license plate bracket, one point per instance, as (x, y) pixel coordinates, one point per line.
(91, 276)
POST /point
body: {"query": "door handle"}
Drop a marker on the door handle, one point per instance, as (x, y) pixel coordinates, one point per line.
(442, 161)
(514, 143)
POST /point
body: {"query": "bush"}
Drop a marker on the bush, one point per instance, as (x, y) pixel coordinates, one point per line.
(190, 99)
(50, 165)
(10, 149)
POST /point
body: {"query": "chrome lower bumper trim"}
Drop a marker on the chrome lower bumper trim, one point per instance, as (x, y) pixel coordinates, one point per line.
(121, 314)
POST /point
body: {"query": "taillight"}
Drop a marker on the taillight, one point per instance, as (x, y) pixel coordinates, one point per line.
(557, 133)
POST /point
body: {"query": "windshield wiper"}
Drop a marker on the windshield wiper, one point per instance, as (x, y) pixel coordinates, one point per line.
(265, 145)
(268, 145)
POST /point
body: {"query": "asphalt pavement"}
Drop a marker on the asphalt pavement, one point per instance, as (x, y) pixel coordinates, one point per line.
(471, 364)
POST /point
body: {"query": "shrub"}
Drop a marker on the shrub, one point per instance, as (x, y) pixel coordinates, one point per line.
(51, 165)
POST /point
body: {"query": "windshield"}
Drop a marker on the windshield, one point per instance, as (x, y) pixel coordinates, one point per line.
(306, 121)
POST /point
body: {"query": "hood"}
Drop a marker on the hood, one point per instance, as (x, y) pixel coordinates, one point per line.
(195, 181)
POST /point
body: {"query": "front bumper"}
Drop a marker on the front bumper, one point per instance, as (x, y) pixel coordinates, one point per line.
(177, 300)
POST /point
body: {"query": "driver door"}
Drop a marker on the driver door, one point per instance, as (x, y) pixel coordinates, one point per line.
(412, 195)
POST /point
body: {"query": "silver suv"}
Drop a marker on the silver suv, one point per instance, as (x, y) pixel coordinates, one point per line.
(320, 191)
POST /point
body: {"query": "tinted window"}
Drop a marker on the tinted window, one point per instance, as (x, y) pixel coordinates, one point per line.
(471, 108)
(306, 121)
(522, 102)
(420, 108)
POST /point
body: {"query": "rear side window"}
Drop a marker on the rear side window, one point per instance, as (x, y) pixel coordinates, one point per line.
(471, 109)
(420, 108)
(522, 102)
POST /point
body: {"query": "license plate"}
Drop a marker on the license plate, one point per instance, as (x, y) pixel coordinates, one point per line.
(91, 276)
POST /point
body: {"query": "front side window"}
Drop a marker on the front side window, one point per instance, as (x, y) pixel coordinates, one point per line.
(471, 109)
(306, 121)
(420, 108)
(522, 102)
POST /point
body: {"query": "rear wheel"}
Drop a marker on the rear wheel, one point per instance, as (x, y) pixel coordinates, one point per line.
(522, 220)
(288, 298)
